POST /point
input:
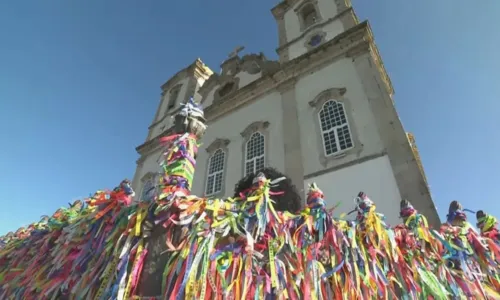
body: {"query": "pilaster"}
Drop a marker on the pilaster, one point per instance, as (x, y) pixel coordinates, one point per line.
(294, 167)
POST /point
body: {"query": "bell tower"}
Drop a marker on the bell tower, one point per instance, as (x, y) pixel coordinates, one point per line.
(306, 24)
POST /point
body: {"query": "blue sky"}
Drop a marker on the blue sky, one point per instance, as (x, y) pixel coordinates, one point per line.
(79, 85)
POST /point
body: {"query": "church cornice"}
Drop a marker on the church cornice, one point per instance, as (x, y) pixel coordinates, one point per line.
(352, 42)
(152, 144)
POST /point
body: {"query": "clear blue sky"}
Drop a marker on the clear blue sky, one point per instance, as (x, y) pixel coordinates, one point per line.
(79, 85)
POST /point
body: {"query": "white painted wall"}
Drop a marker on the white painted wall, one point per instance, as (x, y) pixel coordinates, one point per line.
(209, 99)
(199, 83)
(157, 129)
(163, 106)
(340, 74)
(247, 78)
(374, 177)
(327, 8)
(267, 108)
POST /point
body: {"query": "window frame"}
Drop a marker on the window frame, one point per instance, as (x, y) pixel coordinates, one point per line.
(254, 159)
(177, 91)
(148, 177)
(334, 129)
(317, 104)
(262, 127)
(223, 145)
(214, 174)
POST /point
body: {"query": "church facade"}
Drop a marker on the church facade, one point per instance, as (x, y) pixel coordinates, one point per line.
(323, 113)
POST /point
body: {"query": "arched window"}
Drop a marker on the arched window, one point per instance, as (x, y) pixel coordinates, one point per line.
(255, 152)
(172, 97)
(148, 190)
(334, 128)
(308, 15)
(215, 176)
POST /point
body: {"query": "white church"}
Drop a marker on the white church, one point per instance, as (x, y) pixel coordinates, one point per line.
(323, 113)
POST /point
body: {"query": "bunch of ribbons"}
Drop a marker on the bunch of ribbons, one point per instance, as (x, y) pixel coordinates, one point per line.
(242, 248)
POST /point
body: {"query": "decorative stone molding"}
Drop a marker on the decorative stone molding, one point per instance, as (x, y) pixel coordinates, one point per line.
(360, 50)
(279, 10)
(232, 83)
(330, 51)
(231, 66)
(266, 66)
(211, 82)
(286, 85)
(336, 94)
(218, 143)
(214, 81)
(255, 126)
(330, 94)
(320, 34)
(250, 63)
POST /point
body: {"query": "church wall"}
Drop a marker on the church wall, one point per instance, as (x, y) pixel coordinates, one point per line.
(327, 9)
(292, 25)
(163, 106)
(197, 96)
(267, 108)
(167, 122)
(182, 92)
(210, 98)
(300, 47)
(374, 177)
(247, 78)
(367, 141)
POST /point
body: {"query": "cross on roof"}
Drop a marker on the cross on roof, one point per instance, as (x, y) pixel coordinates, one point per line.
(236, 51)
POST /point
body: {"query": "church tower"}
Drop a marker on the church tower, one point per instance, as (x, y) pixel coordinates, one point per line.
(178, 89)
(323, 113)
(305, 25)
